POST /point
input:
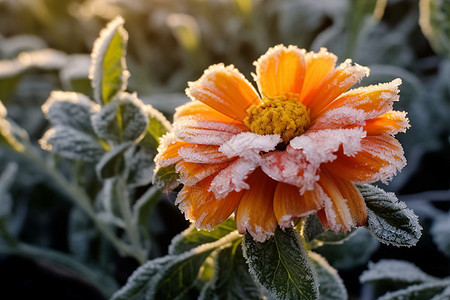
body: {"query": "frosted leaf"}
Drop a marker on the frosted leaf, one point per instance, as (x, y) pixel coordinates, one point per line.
(144, 206)
(314, 234)
(331, 286)
(140, 167)
(12, 46)
(418, 292)
(7, 177)
(203, 154)
(166, 178)
(394, 271)
(282, 266)
(389, 220)
(76, 68)
(206, 133)
(112, 163)
(340, 117)
(70, 109)
(444, 296)
(441, 233)
(123, 119)
(47, 59)
(249, 143)
(9, 133)
(319, 146)
(108, 71)
(231, 280)
(232, 178)
(157, 127)
(72, 144)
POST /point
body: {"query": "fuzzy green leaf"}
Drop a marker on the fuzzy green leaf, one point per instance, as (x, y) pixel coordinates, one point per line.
(192, 237)
(282, 265)
(70, 109)
(140, 167)
(112, 163)
(419, 292)
(231, 279)
(166, 178)
(331, 286)
(108, 71)
(123, 119)
(144, 205)
(315, 235)
(72, 144)
(435, 23)
(157, 127)
(389, 220)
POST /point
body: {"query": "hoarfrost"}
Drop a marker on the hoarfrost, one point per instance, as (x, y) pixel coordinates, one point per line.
(77, 67)
(247, 142)
(428, 290)
(2, 111)
(204, 154)
(206, 133)
(47, 59)
(340, 117)
(441, 233)
(394, 271)
(11, 68)
(331, 286)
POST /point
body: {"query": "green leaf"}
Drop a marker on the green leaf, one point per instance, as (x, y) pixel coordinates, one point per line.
(9, 132)
(10, 74)
(70, 109)
(72, 144)
(389, 220)
(314, 234)
(331, 286)
(231, 279)
(123, 119)
(157, 127)
(108, 70)
(166, 178)
(354, 251)
(140, 167)
(112, 163)
(435, 23)
(282, 265)
(441, 233)
(144, 205)
(170, 277)
(192, 237)
(419, 291)
(394, 272)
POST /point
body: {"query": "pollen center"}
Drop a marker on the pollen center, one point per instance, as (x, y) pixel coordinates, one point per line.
(285, 116)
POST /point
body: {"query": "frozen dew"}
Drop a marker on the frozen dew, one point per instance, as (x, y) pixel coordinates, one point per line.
(340, 117)
(248, 142)
(201, 154)
(205, 133)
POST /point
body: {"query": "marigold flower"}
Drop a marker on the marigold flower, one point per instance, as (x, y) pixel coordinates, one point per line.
(294, 149)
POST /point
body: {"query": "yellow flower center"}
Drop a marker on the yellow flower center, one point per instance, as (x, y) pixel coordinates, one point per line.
(285, 116)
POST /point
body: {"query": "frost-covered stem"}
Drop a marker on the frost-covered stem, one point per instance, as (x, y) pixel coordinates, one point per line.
(132, 231)
(80, 198)
(104, 283)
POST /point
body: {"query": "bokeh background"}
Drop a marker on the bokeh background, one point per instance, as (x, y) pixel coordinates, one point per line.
(45, 46)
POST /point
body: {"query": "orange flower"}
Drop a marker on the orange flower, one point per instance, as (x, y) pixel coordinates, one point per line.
(291, 150)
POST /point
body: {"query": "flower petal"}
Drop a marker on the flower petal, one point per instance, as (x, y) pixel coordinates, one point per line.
(255, 211)
(391, 122)
(318, 66)
(374, 99)
(203, 154)
(201, 112)
(280, 71)
(204, 132)
(191, 173)
(248, 143)
(380, 158)
(168, 150)
(344, 207)
(289, 205)
(224, 89)
(201, 207)
(341, 79)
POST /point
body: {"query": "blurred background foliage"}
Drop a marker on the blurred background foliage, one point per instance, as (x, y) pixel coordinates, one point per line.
(45, 46)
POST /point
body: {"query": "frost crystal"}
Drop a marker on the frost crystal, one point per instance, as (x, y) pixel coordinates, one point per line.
(248, 142)
(205, 133)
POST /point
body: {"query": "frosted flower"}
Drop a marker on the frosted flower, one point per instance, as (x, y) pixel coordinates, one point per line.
(291, 149)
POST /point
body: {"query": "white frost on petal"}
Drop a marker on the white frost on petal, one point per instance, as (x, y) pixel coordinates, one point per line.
(164, 142)
(343, 213)
(319, 146)
(202, 155)
(248, 142)
(340, 117)
(233, 177)
(205, 133)
(189, 179)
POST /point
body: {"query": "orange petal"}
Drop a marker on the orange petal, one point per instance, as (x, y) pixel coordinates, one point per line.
(168, 150)
(201, 112)
(391, 122)
(192, 173)
(288, 204)
(344, 207)
(201, 207)
(374, 99)
(381, 158)
(224, 89)
(341, 79)
(280, 71)
(255, 211)
(318, 66)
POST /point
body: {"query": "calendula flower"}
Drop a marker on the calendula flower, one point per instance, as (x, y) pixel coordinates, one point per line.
(293, 148)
